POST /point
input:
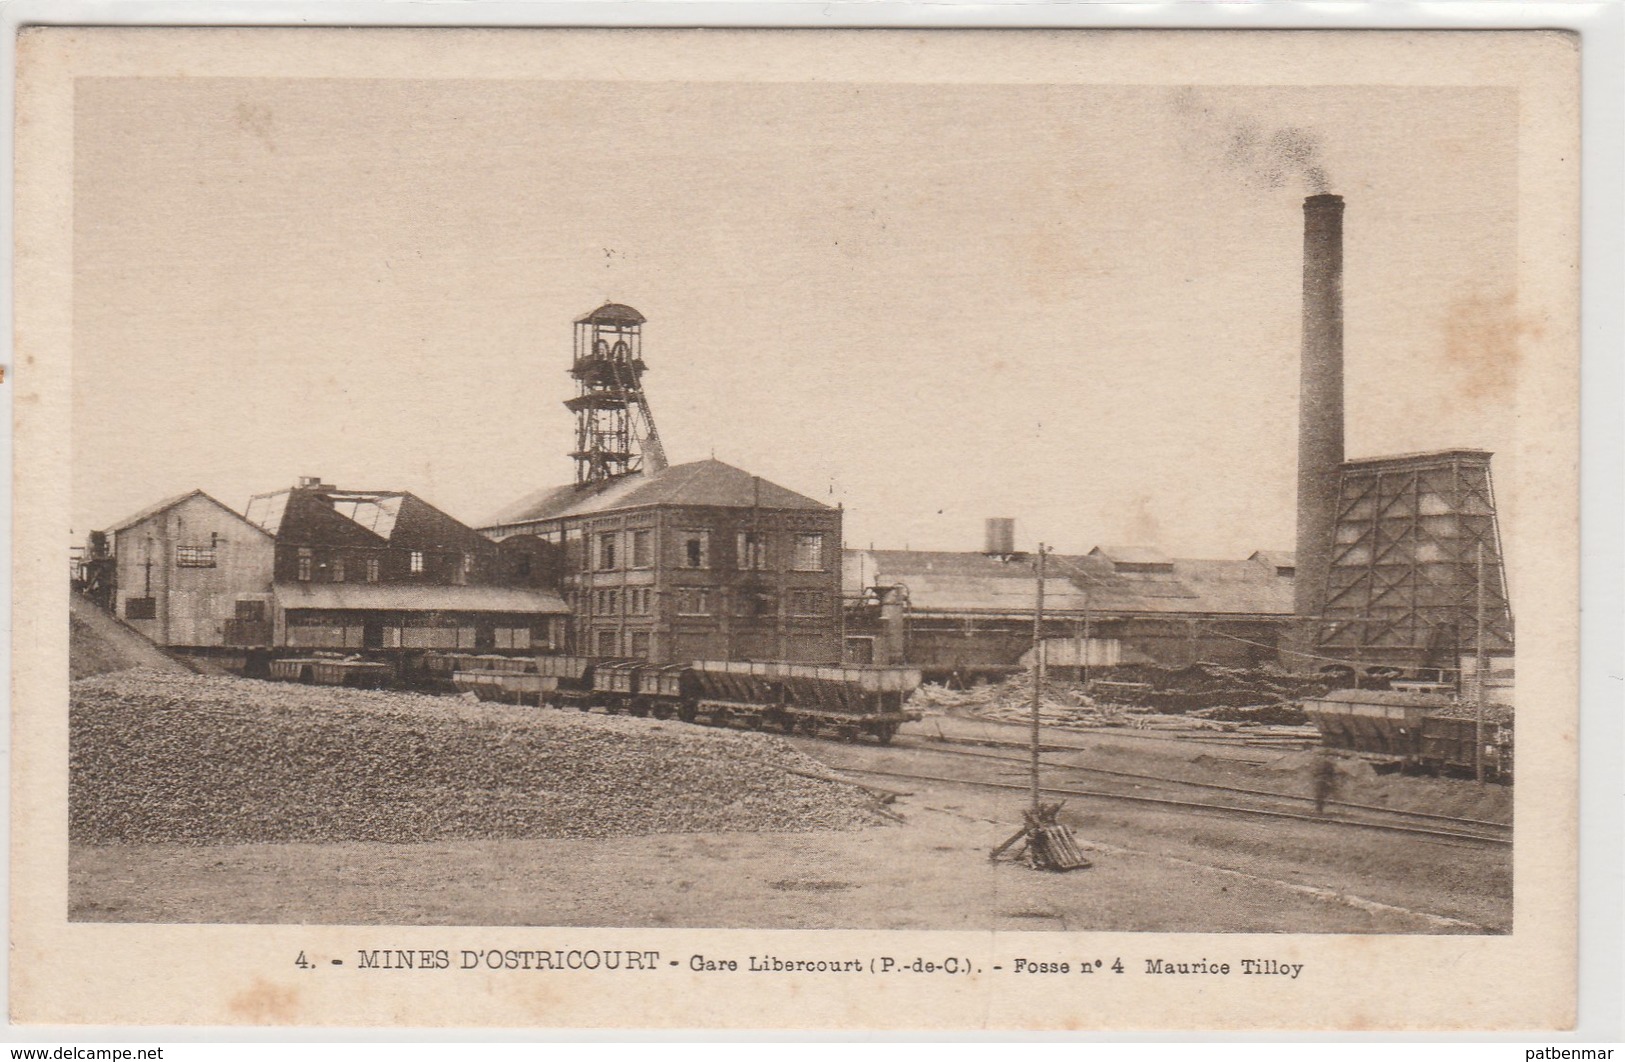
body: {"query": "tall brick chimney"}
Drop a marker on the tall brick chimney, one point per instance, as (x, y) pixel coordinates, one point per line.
(1320, 405)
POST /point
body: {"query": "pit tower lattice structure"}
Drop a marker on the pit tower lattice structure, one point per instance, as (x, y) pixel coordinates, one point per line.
(615, 430)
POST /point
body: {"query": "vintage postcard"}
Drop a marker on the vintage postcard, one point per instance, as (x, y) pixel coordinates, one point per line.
(566, 528)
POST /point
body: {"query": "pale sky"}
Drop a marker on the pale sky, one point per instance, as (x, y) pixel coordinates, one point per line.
(1072, 305)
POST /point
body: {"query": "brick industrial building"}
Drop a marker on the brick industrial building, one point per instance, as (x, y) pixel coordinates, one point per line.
(694, 561)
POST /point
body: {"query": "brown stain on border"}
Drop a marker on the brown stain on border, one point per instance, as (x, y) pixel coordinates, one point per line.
(1483, 340)
(263, 1003)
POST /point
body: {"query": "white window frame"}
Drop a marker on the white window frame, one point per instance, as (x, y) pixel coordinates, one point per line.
(801, 539)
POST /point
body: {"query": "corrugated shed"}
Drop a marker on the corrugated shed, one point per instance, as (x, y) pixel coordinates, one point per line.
(701, 483)
(977, 583)
(401, 598)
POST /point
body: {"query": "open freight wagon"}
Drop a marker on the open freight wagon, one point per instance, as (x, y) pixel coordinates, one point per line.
(331, 670)
(846, 700)
(1416, 731)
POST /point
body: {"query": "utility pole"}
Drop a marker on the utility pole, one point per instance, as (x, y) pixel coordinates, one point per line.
(1038, 667)
(1480, 685)
(1049, 843)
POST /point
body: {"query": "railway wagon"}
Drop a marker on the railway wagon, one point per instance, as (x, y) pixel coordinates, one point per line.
(847, 699)
(1415, 730)
(535, 680)
(1379, 722)
(850, 699)
(502, 678)
(1449, 739)
(332, 671)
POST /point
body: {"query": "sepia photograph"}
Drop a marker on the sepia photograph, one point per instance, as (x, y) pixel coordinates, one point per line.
(881, 484)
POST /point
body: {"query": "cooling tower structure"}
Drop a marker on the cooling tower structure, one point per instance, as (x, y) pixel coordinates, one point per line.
(1415, 564)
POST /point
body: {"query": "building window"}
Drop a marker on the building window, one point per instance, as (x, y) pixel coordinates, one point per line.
(638, 600)
(194, 556)
(643, 548)
(810, 552)
(807, 603)
(465, 565)
(606, 551)
(416, 562)
(752, 551)
(338, 568)
(372, 569)
(694, 601)
(608, 643)
(307, 564)
(141, 608)
(512, 638)
(640, 645)
(750, 604)
(251, 611)
(575, 550)
(696, 550)
(609, 602)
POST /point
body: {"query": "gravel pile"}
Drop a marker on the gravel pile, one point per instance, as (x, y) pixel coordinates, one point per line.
(161, 758)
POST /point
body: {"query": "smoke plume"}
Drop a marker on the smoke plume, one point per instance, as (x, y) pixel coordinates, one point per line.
(1261, 156)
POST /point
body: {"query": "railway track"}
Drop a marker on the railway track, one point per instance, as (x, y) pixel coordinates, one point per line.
(1470, 831)
(1453, 820)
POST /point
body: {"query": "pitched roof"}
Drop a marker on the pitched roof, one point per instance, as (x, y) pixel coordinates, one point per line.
(708, 483)
(1132, 554)
(978, 583)
(616, 313)
(398, 597)
(169, 503)
(373, 510)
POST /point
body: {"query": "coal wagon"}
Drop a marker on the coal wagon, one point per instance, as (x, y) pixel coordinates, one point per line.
(846, 701)
(322, 670)
(1409, 730)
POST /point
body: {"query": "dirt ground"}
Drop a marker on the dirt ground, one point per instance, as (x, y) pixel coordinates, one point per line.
(1154, 869)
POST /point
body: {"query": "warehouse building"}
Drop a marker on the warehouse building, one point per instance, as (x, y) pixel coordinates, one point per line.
(970, 615)
(692, 561)
(386, 570)
(187, 570)
(316, 567)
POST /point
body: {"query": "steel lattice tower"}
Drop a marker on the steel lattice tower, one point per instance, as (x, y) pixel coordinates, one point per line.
(615, 432)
